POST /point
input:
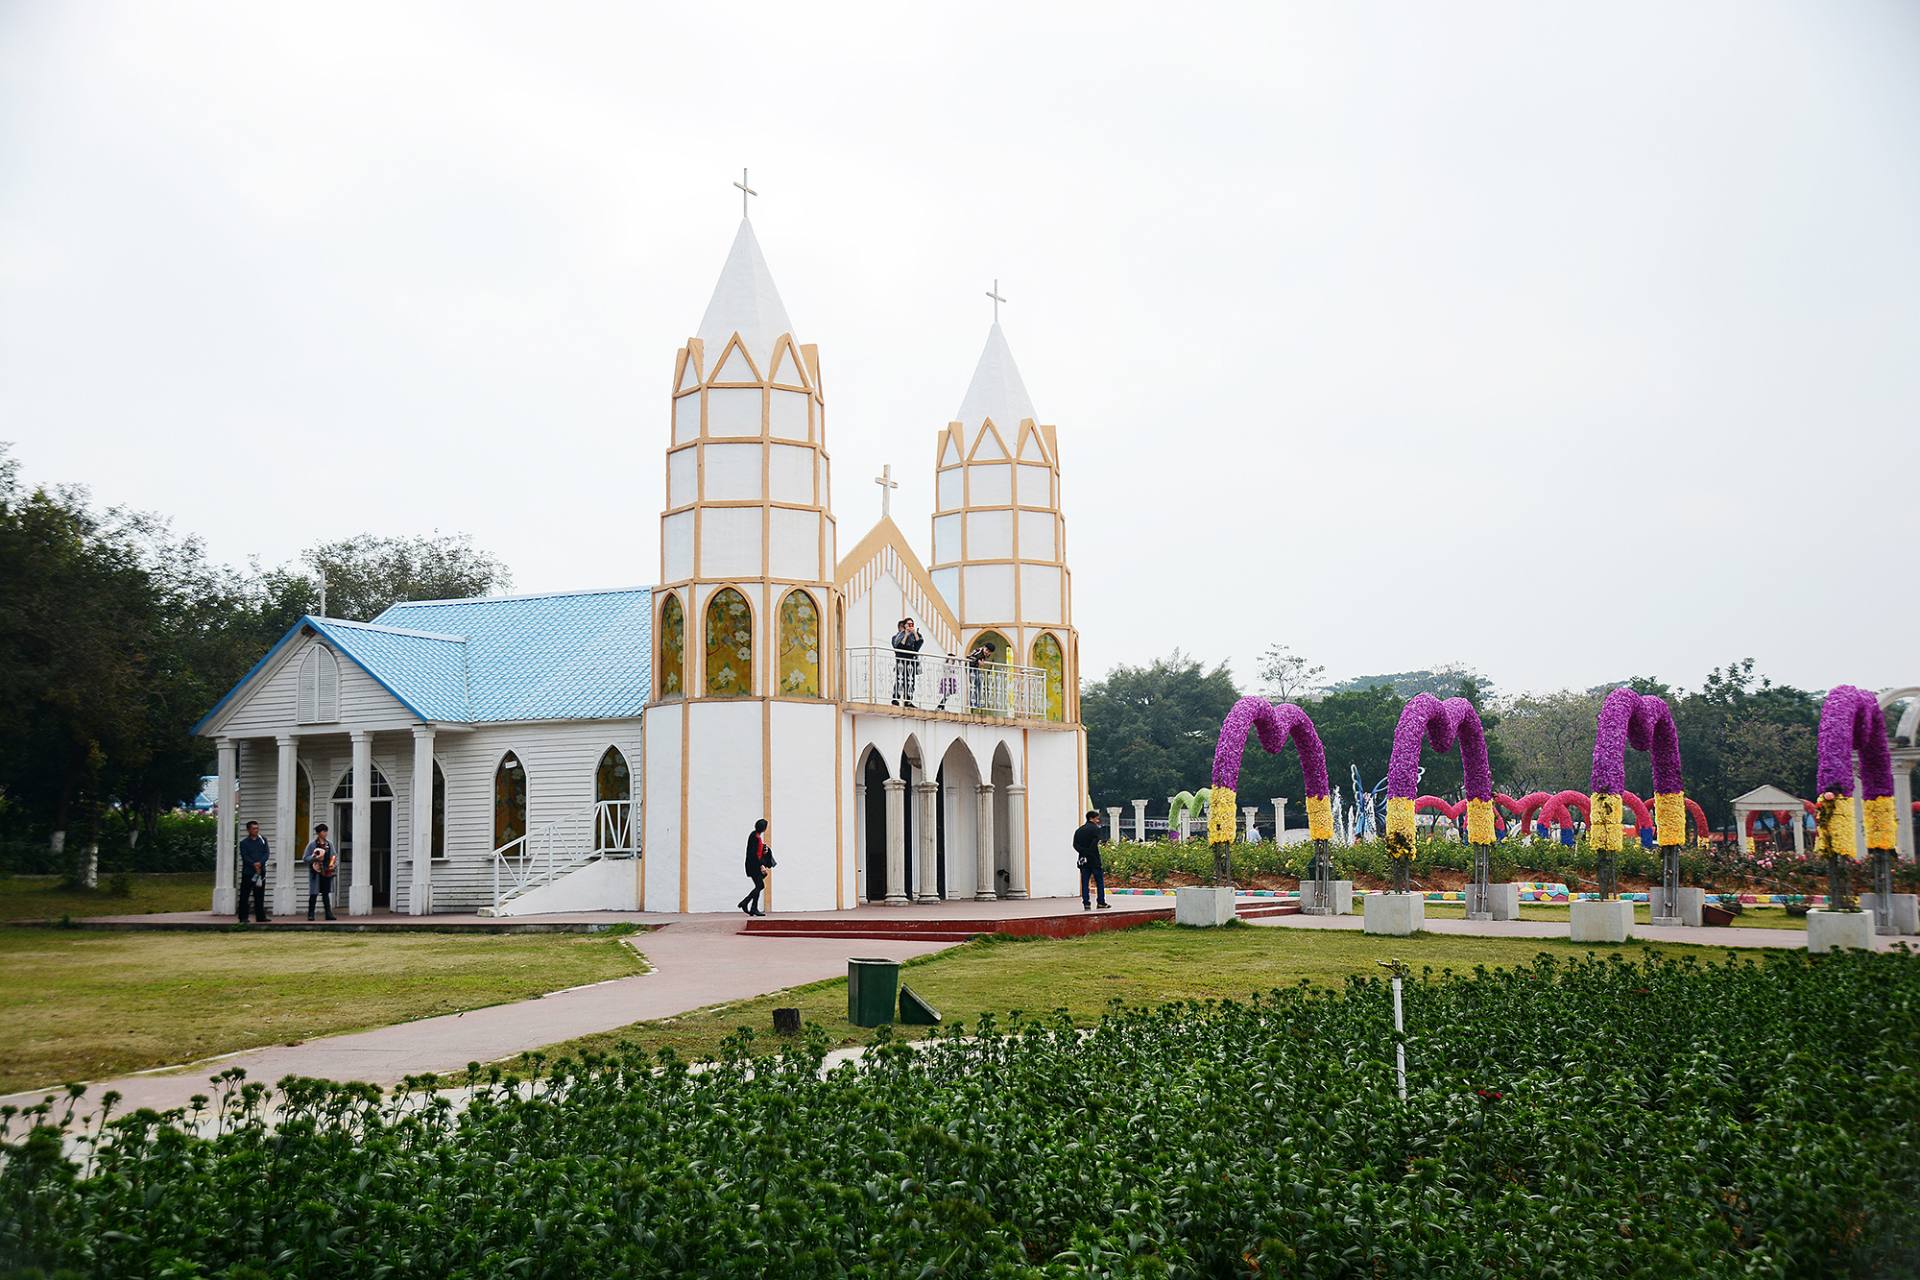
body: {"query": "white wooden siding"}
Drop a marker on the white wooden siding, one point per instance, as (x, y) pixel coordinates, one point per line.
(272, 703)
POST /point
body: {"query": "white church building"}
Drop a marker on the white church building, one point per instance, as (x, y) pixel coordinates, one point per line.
(612, 749)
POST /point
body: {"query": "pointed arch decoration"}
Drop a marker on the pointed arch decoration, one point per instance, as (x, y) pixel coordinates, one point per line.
(1426, 718)
(319, 686)
(612, 801)
(729, 637)
(1051, 659)
(1276, 725)
(1629, 718)
(509, 801)
(673, 648)
(799, 673)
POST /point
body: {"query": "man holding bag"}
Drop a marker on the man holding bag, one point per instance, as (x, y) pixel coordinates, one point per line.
(323, 864)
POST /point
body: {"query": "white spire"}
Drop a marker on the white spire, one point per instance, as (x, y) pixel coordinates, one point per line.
(745, 302)
(996, 390)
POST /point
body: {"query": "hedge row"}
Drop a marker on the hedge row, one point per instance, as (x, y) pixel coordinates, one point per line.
(1589, 1119)
(183, 842)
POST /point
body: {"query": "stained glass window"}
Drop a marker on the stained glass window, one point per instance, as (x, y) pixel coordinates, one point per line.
(509, 801)
(729, 643)
(1048, 657)
(799, 646)
(673, 648)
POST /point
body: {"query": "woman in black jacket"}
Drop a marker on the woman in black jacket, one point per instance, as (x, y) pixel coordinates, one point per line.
(759, 858)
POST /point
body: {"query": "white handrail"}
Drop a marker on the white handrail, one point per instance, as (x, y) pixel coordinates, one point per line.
(604, 830)
(937, 682)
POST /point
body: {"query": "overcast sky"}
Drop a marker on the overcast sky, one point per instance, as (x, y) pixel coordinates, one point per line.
(1398, 333)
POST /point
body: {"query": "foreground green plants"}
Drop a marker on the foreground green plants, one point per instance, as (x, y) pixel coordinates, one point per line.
(1591, 1118)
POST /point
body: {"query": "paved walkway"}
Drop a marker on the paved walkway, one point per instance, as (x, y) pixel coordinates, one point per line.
(1703, 936)
(697, 961)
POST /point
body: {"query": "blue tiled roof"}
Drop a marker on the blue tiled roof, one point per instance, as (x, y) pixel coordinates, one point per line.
(585, 655)
(580, 656)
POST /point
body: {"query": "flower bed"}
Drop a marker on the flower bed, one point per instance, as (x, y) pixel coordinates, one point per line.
(1593, 1118)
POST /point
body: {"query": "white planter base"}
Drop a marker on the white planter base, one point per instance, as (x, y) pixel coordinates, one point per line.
(1504, 898)
(1594, 921)
(1833, 930)
(1396, 915)
(1203, 906)
(1340, 892)
(1906, 910)
(1691, 900)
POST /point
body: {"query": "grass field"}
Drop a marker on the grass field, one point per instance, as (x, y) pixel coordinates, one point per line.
(1151, 964)
(44, 898)
(85, 1004)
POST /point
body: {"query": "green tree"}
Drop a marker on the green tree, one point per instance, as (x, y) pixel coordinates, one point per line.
(1151, 730)
(365, 574)
(1287, 675)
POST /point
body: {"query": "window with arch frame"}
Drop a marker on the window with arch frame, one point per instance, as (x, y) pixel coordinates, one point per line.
(673, 648)
(509, 801)
(1050, 658)
(729, 638)
(799, 672)
(319, 686)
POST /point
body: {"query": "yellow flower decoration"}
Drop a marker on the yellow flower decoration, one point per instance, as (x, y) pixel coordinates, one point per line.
(1882, 824)
(1670, 818)
(1400, 827)
(1319, 817)
(1479, 822)
(1220, 825)
(1603, 829)
(1834, 831)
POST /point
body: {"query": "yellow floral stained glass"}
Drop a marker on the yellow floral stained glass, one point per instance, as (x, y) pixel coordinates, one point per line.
(799, 646)
(509, 802)
(1048, 657)
(673, 649)
(729, 644)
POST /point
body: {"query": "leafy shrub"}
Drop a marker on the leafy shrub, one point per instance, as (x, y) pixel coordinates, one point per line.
(1593, 1118)
(182, 842)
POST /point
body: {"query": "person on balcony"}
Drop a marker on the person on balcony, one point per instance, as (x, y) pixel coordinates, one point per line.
(906, 661)
(977, 658)
(759, 859)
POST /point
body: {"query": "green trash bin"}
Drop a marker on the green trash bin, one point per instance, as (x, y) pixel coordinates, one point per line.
(872, 987)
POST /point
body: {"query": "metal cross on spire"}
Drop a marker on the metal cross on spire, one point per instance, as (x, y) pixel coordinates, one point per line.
(994, 293)
(887, 485)
(745, 191)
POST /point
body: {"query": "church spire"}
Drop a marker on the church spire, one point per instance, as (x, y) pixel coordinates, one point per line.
(996, 391)
(745, 301)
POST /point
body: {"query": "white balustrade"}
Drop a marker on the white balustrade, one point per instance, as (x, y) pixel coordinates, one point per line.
(934, 682)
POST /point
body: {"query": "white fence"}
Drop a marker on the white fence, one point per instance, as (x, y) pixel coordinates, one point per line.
(604, 831)
(930, 682)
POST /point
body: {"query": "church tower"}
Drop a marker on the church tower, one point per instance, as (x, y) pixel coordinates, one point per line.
(743, 721)
(999, 542)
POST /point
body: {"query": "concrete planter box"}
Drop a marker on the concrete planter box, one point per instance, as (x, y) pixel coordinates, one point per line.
(1906, 910)
(1396, 915)
(1504, 899)
(1594, 921)
(1203, 906)
(1832, 930)
(1340, 891)
(1691, 901)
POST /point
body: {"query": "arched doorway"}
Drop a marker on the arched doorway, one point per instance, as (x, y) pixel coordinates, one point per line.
(612, 803)
(873, 776)
(913, 772)
(959, 822)
(1002, 778)
(375, 861)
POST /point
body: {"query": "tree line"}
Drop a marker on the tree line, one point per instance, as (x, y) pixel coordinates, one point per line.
(1151, 732)
(117, 635)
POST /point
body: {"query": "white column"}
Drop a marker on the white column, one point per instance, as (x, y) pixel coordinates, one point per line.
(224, 855)
(1017, 842)
(420, 828)
(859, 842)
(928, 795)
(287, 842)
(1113, 822)
(896, 789)
(360, 892)
(1250, 812)
(1186, 825)
(985, 890)
(1800, 833)
(1903, 761)
(1279, 819)
(1140, 821)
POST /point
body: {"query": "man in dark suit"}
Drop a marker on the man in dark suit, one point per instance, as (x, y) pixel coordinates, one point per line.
(255, 857)
(1086, 844)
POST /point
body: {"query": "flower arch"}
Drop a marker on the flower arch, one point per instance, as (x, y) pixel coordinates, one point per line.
(1851, 720)
(1629, 718)
(1427, 719)
(1275, 724)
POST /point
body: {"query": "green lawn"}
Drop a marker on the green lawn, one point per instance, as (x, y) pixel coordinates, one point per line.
(1753, 918)
(85, 1004)
(1151, 964)
(43, 897)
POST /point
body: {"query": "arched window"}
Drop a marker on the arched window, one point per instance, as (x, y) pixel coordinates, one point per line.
(613, 802)
(799, 646)
(673, 648)
(991, 691)
(509, 801)
(729, 643)
(439, 812)
(1048, 657)
(302, 804)
(319, 686)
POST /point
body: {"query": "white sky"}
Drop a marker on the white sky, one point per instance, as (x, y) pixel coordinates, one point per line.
(1385, 309)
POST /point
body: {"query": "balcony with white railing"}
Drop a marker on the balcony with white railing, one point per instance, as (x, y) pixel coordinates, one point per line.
(933, 682)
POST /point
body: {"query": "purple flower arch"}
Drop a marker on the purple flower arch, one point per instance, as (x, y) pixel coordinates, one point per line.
(1427, 718)
(1275, 724)
(1644, 722)
(1851, 720)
